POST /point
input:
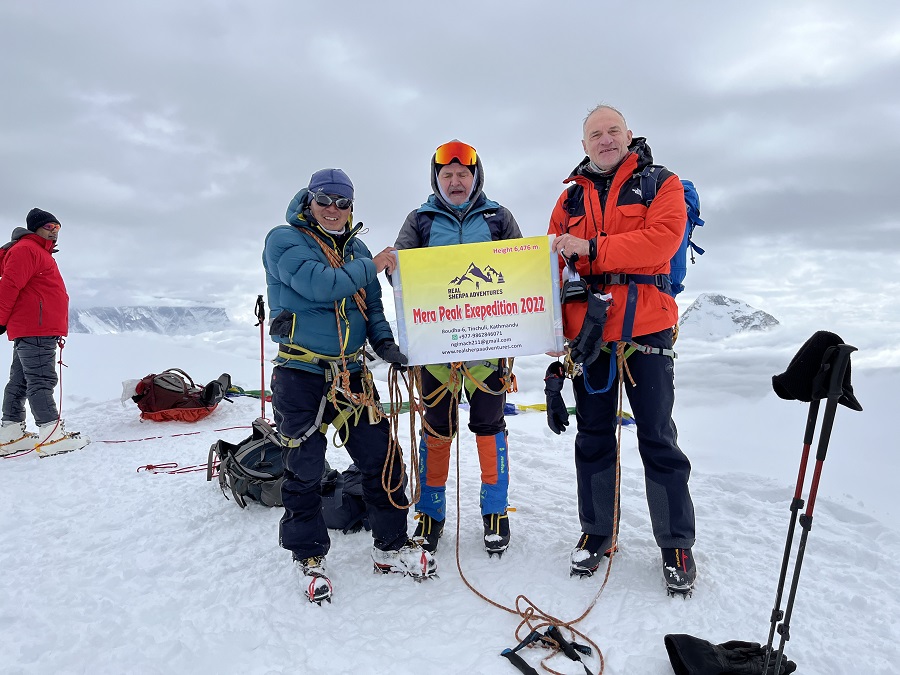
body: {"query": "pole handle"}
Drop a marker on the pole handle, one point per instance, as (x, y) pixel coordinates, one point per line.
(260, 310)
(837, 358)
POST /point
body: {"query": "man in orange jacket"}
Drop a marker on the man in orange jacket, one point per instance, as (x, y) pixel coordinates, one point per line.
(620, 248)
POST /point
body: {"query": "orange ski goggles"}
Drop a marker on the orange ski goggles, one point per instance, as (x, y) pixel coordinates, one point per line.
(462, 152)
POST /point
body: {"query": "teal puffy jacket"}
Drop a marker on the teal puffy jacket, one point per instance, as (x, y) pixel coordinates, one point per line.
(300, 280)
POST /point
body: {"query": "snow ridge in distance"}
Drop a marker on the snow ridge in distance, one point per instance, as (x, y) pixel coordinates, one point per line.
(713, 315)
(164, 320)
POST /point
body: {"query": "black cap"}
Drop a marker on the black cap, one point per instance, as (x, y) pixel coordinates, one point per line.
(37, 218)
(806, 374)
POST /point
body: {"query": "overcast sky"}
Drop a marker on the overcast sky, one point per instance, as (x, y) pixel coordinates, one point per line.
(170, 136)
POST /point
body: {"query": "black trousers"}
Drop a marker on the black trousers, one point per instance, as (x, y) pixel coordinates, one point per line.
(296, 396)
(666, 467)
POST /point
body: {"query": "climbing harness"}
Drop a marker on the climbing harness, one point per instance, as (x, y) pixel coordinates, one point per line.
(625, 345)
(350, 404)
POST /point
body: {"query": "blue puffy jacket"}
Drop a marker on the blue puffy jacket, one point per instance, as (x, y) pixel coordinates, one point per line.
(300, 280)
(432, 224)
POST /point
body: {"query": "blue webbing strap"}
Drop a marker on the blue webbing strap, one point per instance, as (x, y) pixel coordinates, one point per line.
(627, 329)
(612, 374)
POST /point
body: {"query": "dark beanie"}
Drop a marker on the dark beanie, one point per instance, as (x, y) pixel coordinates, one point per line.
(331, 182)
(36, 219)
(806, 377)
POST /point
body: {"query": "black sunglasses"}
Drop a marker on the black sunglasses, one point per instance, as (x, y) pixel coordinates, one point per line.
(325, 200)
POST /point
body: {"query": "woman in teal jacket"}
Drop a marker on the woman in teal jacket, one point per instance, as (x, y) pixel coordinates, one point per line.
(325, 298)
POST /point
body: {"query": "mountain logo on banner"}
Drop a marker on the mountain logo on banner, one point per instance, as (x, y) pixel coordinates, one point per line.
(475, 275)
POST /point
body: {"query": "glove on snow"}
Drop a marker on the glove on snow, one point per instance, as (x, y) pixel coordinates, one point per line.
(2, 330)
(585, 348)
(692, 656)
(388, 350)
(216, 390)
(557, 415)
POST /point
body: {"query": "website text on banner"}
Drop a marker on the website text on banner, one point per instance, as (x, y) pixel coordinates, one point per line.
(478, 301)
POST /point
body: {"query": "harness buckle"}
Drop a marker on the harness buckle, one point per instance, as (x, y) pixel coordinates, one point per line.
(643, 349)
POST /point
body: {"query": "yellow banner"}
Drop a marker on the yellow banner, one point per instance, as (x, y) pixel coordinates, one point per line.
(478, 301)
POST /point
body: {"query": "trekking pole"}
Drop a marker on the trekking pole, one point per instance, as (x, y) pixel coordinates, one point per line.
(261, 315)
(837, 358)
(796, 505)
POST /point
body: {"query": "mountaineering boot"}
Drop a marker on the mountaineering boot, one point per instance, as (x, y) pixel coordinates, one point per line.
(55, 440)
(679, 571)
(15, 438)
(313, 581)
(588, 554)
(428, 532)
(496, 533)
(410, 559)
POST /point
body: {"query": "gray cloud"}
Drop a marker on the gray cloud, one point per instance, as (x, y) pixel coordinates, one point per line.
(169, 137)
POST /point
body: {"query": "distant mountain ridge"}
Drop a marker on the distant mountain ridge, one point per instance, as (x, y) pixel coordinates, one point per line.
(150, 319)
(716, 316)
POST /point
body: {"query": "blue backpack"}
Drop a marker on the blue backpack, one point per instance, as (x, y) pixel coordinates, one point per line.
(678, 264)
(649, 178)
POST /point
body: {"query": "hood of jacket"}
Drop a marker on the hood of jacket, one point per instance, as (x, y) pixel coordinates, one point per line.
(299, 215)
(477, 186)
(20, 233)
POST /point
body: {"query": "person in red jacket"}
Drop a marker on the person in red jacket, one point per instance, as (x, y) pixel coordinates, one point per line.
(615, 249)
(34, 314)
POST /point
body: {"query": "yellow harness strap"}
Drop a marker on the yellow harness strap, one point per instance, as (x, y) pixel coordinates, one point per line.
(298, 353)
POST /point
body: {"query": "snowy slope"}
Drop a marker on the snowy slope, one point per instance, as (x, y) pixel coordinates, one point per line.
(110, 570)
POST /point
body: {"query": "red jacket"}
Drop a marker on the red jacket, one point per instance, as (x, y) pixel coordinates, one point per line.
(33, 297)
(631, 239)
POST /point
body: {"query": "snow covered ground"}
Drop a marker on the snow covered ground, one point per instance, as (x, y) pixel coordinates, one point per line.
(109, 570)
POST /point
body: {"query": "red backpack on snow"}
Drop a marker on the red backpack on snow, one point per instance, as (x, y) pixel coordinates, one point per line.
(172, 396)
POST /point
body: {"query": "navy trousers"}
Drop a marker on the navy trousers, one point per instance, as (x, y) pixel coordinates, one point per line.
(486, 416)
(296, 396)
(32, 376)
(666, 468)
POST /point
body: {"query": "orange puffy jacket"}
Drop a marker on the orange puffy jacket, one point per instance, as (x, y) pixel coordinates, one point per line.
(631, 239)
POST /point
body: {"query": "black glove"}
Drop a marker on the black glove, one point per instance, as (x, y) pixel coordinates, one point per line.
(585, 348)
(2, 330)
(216, 390)
(693, 656)
(388, 350)
(557, 415)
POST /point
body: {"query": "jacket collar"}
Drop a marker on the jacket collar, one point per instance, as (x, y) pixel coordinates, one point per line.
(638, 157)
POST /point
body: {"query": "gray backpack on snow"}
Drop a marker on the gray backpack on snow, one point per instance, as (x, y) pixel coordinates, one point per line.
(253, 469)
